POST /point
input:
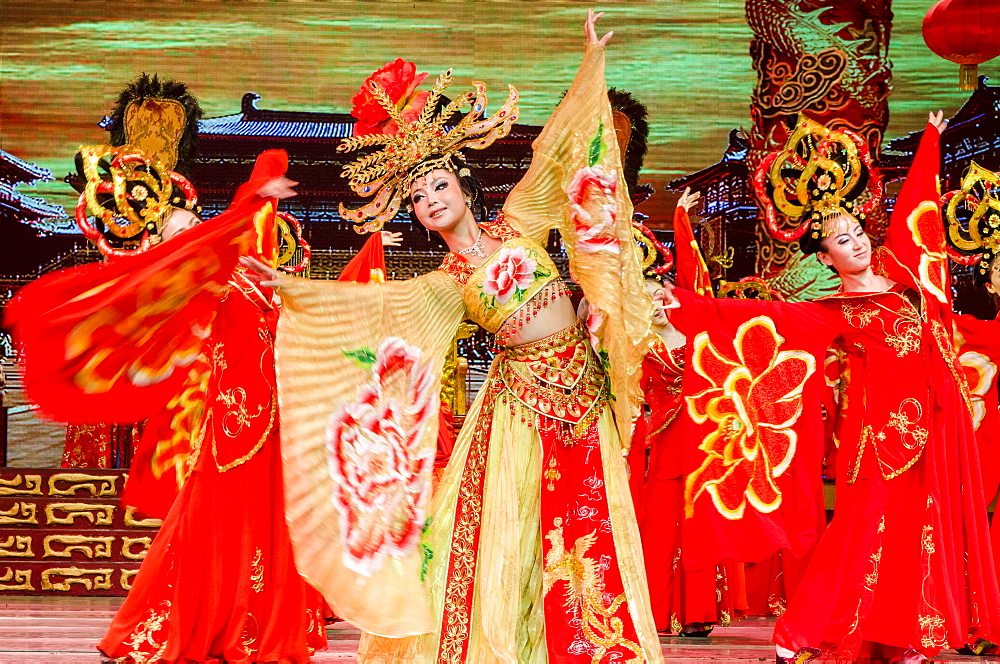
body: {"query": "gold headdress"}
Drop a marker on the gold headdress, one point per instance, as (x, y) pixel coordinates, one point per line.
(819, 175)
(972, 214)
(417, 147)
(130, 193)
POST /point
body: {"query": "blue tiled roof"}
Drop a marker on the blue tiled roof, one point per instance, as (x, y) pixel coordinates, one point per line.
(239, 125)
(33, 172)
(37, 206)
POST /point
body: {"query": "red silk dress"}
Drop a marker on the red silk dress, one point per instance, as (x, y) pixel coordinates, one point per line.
(219, 581)
(708, 596)
(906, 563)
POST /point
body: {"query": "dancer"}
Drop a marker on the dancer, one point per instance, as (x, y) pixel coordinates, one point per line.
(688, 603)
(529, 551)
(905, 568)
(970, 214)
(118, 340)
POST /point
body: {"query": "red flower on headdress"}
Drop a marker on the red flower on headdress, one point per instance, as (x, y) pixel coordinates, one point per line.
(399, 79)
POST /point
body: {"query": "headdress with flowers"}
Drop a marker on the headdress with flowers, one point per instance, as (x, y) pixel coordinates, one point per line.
(972, 215)
(413, 136)
(819, 175)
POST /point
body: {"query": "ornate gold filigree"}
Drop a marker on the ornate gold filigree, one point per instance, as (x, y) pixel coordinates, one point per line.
(32, 485)
(74, 575)
(89, 545)
(16, 546)
(99, 486)
(99, 515)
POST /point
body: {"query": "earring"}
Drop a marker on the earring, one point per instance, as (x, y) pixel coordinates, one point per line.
(428, 234)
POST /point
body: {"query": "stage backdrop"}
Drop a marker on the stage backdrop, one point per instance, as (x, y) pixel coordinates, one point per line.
(62, 63)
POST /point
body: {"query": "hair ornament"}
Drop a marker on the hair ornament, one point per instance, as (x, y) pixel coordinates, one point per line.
(413, 144)
(819, 175)
(972, 218)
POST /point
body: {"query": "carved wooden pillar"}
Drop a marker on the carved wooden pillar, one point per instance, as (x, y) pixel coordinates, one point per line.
(829, 60)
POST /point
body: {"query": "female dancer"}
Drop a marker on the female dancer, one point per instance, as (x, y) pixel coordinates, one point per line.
(905, 568)
(530, 550)
(688, 603)
(218, 581)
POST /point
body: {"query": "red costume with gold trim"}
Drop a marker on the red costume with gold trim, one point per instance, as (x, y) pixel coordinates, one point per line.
(906, 562)
(219, 581)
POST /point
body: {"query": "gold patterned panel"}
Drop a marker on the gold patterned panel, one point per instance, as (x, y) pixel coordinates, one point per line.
(99, 515)
(90, 546)
(99, 486)
(126, 578)
(20, 513)
(16, 546)
(21, 485)
(21, 579)
(129, 542)
(101, 578)
(133, 522)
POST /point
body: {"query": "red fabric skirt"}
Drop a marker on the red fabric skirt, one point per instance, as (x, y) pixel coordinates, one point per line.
(219, 581)
(906, 562)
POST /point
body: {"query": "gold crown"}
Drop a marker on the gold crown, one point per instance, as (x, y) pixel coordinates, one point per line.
(418, 147)
(820, 174)
(973, 238)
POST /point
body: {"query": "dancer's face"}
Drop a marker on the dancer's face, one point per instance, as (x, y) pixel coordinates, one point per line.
(653, 288)
(438, 201)
(993, 285)
(179, 221)
(847, 249)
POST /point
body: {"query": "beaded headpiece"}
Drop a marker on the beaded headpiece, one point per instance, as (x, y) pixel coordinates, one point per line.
(819, 175)
(129, 193)
(972, 215)
(418, 146)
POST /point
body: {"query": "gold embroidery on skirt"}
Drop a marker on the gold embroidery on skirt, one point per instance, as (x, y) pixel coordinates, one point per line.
(144, 634)
(584, 592)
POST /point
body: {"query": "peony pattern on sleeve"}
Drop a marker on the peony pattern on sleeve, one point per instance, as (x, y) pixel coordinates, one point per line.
(755, 399)
(379, 469)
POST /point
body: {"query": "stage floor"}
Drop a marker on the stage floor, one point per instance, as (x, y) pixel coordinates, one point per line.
(65, 630)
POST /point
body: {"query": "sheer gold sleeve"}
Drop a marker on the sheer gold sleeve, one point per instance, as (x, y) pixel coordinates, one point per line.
(359, 370)
(538, 202)
(575, 184)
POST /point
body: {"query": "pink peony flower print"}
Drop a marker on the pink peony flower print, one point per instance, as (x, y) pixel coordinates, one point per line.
(380, 473)
(594, 208)
(510, 273)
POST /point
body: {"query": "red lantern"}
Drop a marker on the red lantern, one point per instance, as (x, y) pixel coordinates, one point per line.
(966, 32)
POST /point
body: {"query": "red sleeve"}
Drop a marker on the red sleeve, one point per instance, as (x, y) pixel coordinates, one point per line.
(916, 232)
(752, 427)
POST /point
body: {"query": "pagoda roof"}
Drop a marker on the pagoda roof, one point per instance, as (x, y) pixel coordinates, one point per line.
(15, 171)
(732, 165)
(253, 121)
(26, 208)
(983, 102)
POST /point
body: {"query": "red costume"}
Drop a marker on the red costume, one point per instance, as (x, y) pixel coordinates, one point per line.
(219, 581)
(906, 561)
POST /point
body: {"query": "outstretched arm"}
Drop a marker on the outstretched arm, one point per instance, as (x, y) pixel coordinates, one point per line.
(538, 202)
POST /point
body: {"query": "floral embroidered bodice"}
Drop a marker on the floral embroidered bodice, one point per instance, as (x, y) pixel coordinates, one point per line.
(516, 282)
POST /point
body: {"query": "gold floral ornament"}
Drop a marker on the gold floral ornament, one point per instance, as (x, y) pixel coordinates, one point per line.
(755, 399)
(410, 148)
(819, 175)
(972, 216)
(130, 192)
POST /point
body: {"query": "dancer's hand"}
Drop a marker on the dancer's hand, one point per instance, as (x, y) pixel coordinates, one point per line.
(688, 199)
(278, 188)
(666, 298)
(265, 275)
(937, 119)
(391, 239)
(591, 32)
